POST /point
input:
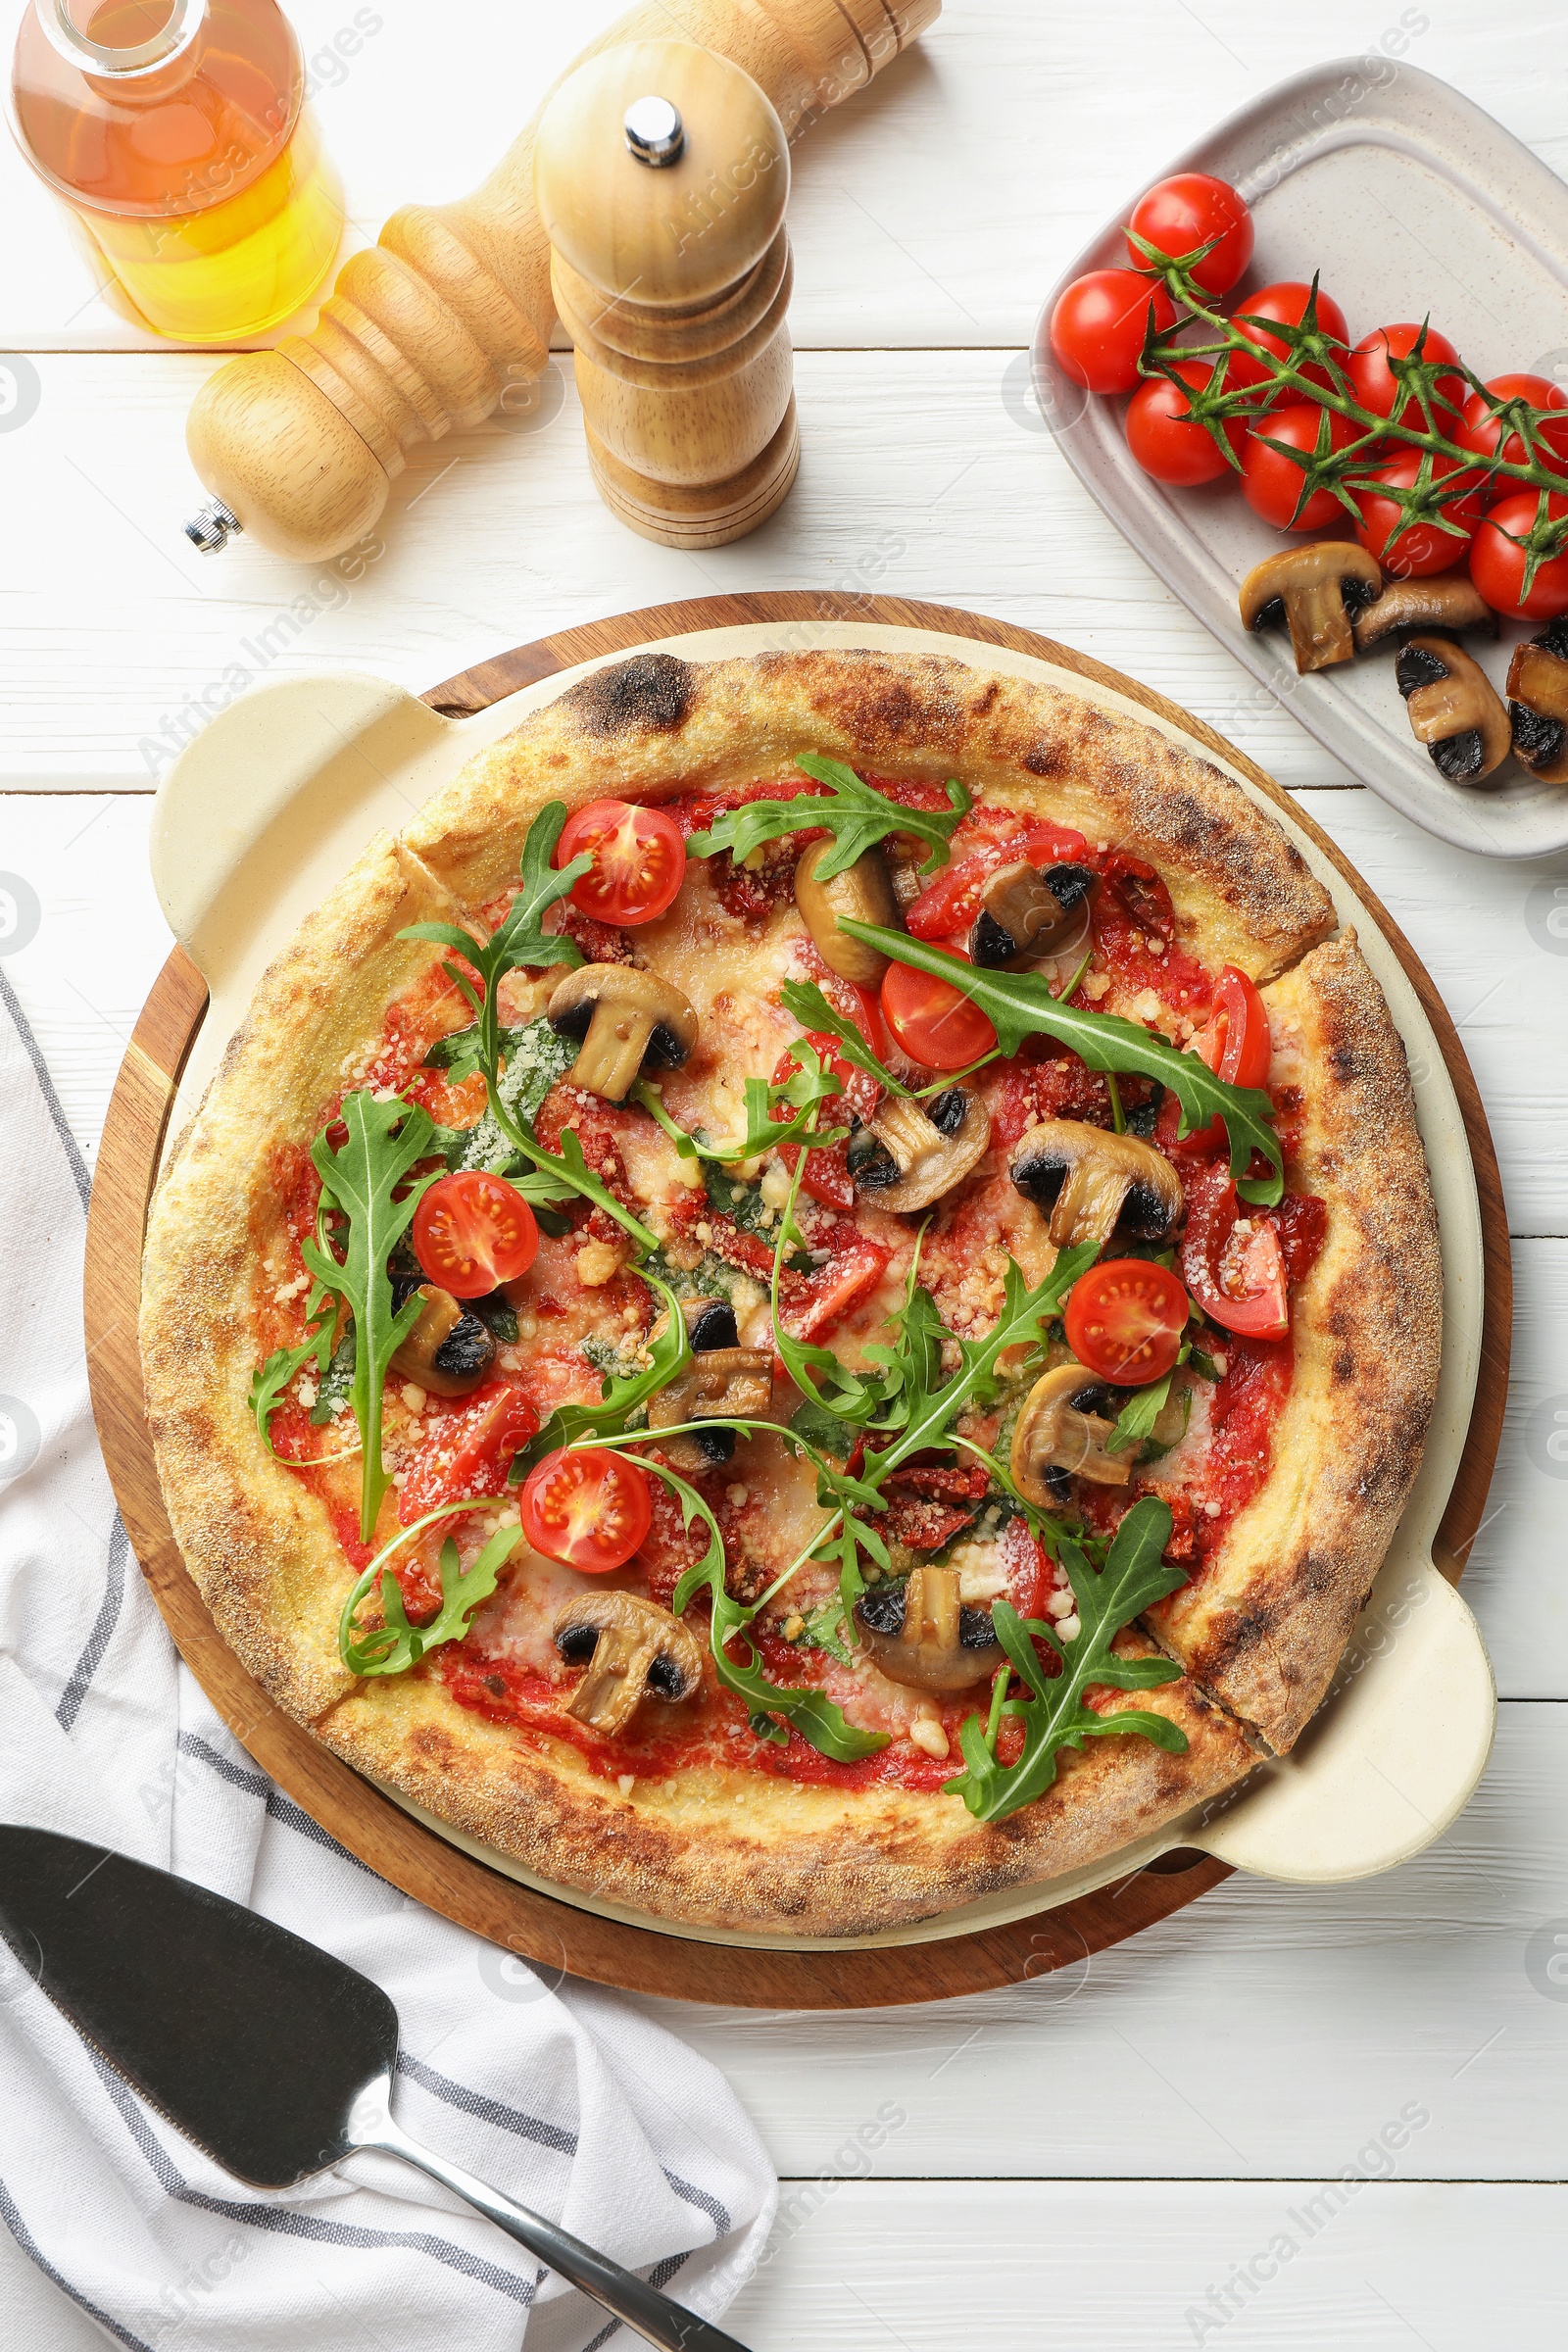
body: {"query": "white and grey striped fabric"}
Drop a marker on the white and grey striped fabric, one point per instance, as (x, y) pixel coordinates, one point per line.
(562, 2096)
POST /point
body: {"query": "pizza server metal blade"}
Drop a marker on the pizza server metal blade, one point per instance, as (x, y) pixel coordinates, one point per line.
(275, 2058)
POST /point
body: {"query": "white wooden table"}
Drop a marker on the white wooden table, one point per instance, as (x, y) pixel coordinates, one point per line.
(1133, 2155)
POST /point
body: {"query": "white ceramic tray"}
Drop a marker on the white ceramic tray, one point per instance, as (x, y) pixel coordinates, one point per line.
(1408, 200)
(261, 816)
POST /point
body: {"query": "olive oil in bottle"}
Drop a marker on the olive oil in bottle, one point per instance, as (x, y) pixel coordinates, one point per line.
(175, 132)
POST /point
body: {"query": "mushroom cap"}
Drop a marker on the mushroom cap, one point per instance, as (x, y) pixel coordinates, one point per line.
(1455, 708)
(931, 1155)
(1026, 912)
(733, 1383)
(864, 894)
(1313, 590)
(1054, 1428)
(449, 1350)
(1451, 601)
(648, 1632)
(960, 1650)
(620, 987)
(1091, 1181)
(1538, 705)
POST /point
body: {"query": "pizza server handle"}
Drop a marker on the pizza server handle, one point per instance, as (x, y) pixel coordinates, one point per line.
(640, 2306)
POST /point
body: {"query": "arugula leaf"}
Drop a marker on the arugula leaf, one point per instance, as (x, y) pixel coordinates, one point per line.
(361, 1179)
(825, 1629)
(337, 1381)
(812, 1010)
(270, 1379)
(517, 938)
(396, 1645)
(1018, 1003)
(1135, 1420)
(815, 1716)
(620, 1395)
(1054, 1715)
(810, 1084)
(855, 812)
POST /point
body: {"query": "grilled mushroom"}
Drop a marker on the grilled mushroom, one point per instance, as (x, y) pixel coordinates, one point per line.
(1451, 602)
(1025, 914)
(631, 1647)
(922, 1636)
(721, 1381)
(449, 1350)
(1091, 1181)
(863, 894)
(913, 1152)
(625, 1021)
(1538, 703)
(1455, 708)
(1315, 592)
(1061, 1433)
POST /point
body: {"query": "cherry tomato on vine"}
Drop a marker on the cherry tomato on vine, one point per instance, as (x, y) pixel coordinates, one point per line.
(1125, 1320)
(936, 1024)
(1096, 328)
(1421, 549)
(1272, 483)
(1285, 305)
(1184, 211)
(1377, 388)
(639, 861)
(1497, 561)
(590, 1509)
(1480, 429)
(472, 1232)
(1231, 1261)
(1235, 1043)
(467, 1453)
(1163, 437)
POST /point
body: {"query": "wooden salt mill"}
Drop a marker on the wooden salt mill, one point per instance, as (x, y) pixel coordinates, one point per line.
(448, 315)
(660, 176)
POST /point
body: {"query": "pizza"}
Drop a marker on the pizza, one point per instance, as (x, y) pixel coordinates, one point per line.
(816, 1297)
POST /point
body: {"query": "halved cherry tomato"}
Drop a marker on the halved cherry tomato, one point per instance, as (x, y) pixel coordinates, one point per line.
(1285, 305)
(1415, 553)
(639, 861)
(937, 1025)
(1498, 561)
(1377, 388)
(590, 1509)
(1096, 328)
(1236, 1044)
(1125, 1320)
(1232, 1262)
(1187, 211)
(1479, 427)
(1162, 436)
(1272, 483)
(472, 1230)
(468, 1452)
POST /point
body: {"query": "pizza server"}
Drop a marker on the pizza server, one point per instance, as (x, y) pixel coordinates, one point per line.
(271, 2055)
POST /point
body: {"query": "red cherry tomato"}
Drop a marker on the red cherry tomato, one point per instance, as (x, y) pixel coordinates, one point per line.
(639, 861)
(1236, 1044)
(1272, 484)
(1285, 305)
(1479, 428)
(1377, 388)
(1497, 561)
(1125, 1320)
(935, 1023)
(1186, 210)
(951, 900)
(1232, 1261)
(1096, 328)
(467, 1453)
(472, 1232)
(1417, 552)
(1165, 439)
(590, 1509)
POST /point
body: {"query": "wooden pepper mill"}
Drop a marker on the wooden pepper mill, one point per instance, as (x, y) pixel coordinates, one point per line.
(660, 176)
(451, 313)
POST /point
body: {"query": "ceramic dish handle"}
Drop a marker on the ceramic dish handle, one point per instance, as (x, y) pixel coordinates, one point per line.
(1392, 1762)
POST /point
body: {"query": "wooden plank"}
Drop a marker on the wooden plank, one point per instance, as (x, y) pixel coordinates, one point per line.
(1262, 2032)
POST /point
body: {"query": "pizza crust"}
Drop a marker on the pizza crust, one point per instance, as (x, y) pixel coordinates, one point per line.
(740, 1849)
(1263, 1626)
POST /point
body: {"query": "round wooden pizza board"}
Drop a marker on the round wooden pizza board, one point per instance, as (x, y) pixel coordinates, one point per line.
(557, 1936)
